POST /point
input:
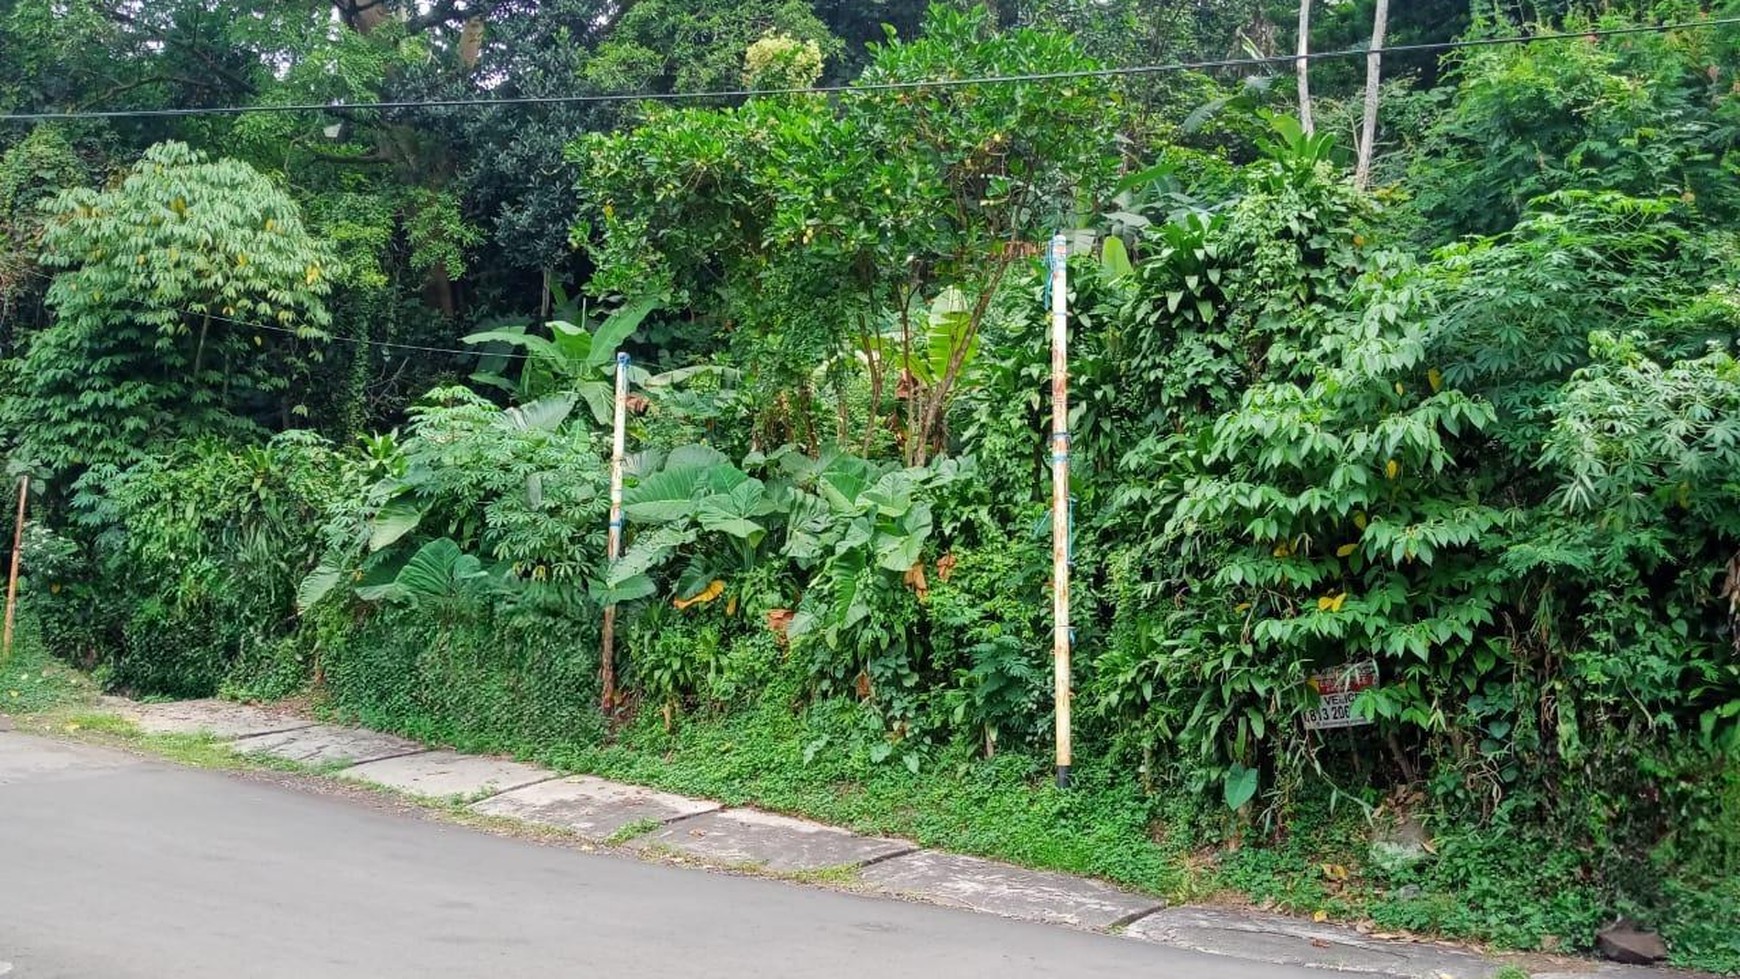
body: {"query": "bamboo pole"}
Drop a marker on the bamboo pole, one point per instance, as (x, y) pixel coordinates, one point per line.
(12, 576)
(618, 440)
(1060, 638)
(1302, 66)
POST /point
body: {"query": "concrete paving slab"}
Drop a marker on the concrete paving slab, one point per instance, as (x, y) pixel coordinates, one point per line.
(448, 774)
(593, 807)
(998, 888)
(323, 744)
(1292, 941)
(219, 718)
(749, 837)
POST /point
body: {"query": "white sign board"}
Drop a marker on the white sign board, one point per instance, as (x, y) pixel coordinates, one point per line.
(1338, 687)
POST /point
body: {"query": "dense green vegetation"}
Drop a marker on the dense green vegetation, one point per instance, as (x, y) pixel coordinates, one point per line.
(319, 402)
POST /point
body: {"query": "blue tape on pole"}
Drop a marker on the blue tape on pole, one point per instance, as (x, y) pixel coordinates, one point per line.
(622, 358)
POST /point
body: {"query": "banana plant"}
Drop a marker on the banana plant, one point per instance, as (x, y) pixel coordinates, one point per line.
(572, 359)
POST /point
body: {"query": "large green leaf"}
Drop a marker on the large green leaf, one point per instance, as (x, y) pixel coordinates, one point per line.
(441, 571)
(626, 589)
(1115, 258)
(1240, 786)
(517, 336)
(393, 521)
(600, 397)
(892, 494)
(732, 512)
(319, 583)
(545, 414)
(843, 481)
(948, 328)
(617, 328)
(666, 495)
(696, 454)
(900, 550)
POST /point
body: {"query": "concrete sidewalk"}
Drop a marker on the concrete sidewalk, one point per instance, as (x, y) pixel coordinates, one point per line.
(742, 839)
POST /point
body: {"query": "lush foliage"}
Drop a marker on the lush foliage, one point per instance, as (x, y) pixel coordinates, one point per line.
(322, 402)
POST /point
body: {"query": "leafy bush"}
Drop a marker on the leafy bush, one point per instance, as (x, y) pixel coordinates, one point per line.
(163, 278)
(195, 558)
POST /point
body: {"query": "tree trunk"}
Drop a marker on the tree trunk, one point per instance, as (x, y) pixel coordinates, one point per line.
(1373, 72)
(1302, 64)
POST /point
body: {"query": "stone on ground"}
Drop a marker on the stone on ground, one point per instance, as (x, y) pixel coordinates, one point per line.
(750, 838)
(218, 718)
(326, 744)
(448, 774)
(1289, 941)
(996, 888)
(1625, 942)
(593, 807)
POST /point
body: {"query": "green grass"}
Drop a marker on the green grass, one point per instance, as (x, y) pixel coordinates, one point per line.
(33, 682)
(639, 827)
(194, 750)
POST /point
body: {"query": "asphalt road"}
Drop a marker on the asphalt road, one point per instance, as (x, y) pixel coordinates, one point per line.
(115, 867)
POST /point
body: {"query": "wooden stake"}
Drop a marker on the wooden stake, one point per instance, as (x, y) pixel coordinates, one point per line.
(1060, 638)
(607, 639)
(12, 577)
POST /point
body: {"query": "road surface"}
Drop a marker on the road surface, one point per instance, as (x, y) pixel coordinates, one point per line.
(117, 867)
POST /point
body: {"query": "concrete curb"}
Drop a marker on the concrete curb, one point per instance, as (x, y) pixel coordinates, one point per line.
(649, 821)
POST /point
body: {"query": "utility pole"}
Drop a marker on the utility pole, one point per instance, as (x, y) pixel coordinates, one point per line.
(607, 635)
(1373, 74)
(12, 576)
(1302, 64)
(1060, 508)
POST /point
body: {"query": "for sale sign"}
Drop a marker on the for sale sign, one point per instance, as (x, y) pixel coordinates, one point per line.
(1337, 687)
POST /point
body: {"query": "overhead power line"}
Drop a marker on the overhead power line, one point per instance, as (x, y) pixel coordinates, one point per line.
(1056, 76)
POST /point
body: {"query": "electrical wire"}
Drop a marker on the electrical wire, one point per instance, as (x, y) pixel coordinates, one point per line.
(1130, 70)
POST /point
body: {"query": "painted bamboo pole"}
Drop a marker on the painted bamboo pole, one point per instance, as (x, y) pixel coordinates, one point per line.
(12, 575)
(1060, 506)
(618, 442)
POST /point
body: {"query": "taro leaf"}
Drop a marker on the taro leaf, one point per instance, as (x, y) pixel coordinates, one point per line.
(892, 494)
(319, 583)
(1240, 786)
(440, 570)
(723, 478)
(666, 495)
(808, 522)
(697, 456)
(730, 512)
(624, 590)
(899, 551)
(545, 414)
(394, 520)
(844, 480)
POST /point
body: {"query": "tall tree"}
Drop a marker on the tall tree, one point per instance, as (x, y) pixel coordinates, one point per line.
(1373, 73)
(1302, 65)
(191, 300)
